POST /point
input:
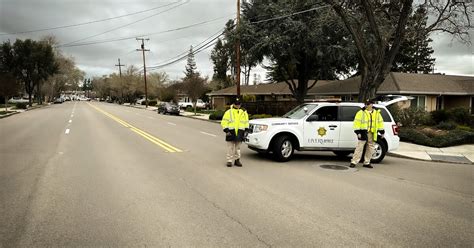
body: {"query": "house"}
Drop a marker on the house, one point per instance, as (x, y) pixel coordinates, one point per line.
(429, 91)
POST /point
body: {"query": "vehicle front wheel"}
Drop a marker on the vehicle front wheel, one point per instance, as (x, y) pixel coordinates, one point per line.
(283, 148)
(380, 150)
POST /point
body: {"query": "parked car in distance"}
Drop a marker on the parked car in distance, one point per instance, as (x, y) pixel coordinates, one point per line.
(199, 104)
(58, 100)
(168, 108)
(17, 100)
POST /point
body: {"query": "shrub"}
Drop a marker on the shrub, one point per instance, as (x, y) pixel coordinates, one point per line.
(439, 116)
(152, 103)
(452, 138)
(410, 117)
(21, 105)
(461, 115)
(260, 116)
(189, 109)
(447, 125)
(216, 115)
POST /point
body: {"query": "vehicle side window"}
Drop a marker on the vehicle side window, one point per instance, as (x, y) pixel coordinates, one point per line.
(348, 113)
(385, 115)
(326, 113)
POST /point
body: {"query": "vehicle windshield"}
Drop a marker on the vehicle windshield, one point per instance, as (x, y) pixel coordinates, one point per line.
(300, 111)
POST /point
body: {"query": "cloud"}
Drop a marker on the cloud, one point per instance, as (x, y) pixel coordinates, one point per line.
(100, 59)
(452, 57)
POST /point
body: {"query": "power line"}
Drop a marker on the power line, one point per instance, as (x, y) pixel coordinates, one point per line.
(150, 34)
(126, 25)
(184, 55)
(199, 47)
(89, 22)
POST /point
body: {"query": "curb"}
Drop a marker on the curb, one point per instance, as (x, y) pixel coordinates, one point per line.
(425, 160)
(408, 157)
(188, 116)
(9, 114)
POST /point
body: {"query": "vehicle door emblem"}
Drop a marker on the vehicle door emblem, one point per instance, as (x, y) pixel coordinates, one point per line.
(322, 131)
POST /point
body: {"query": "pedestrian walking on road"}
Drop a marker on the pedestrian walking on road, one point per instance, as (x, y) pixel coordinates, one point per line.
(368, 122)
(235, 124)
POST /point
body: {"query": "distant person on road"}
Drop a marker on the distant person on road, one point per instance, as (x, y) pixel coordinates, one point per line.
(368, 122)
(235, 124)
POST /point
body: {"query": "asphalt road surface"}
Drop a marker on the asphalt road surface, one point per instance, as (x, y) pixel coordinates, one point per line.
(84, 174)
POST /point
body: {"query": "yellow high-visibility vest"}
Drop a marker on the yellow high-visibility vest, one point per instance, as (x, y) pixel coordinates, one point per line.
(235, 119)
(370, 121)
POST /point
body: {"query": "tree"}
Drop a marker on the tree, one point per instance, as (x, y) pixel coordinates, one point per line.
(8, 86)
(415, 53)
(303, 47)
(190, 68)
(195, 86)
(377, 29)
(221, 59)
(30, 62)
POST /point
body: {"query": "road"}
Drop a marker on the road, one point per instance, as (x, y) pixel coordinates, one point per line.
(96, 174)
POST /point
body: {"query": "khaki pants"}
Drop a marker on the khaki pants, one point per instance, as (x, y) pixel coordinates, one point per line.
(360, 149)
(233, 151)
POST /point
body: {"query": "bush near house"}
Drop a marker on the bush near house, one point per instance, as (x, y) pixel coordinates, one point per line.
(439, 128)
(259, 116)
(437, 138)
(152, 103)
(216, 115)
(21, 105)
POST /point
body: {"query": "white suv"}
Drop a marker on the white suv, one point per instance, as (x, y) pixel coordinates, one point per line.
(323, 126)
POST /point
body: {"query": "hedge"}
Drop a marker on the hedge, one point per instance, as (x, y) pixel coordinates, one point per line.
(216, 115)
(259, 116)
(452, 138)
(21, 105)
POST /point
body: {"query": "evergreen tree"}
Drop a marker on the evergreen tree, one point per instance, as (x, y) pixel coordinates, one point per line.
(415, 51)
(190, 69)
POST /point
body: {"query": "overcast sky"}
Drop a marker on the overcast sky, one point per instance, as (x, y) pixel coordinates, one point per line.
(100, 59)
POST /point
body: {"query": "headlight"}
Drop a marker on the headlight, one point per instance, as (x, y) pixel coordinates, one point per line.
(260, 128)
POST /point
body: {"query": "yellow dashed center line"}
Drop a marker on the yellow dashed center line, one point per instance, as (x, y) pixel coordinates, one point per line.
(151, 138)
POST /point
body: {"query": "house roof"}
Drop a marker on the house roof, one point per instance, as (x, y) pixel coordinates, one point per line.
(280, 88)
(395, 83)
(405, 83)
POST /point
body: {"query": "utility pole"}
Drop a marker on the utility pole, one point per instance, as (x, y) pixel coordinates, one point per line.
(120, 73)
(237, 48)
(144, 67)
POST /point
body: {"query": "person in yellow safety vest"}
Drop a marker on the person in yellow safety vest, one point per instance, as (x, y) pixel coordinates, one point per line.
(235, 124)
(368, 122)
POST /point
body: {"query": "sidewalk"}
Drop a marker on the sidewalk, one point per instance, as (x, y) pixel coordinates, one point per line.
(456, 154)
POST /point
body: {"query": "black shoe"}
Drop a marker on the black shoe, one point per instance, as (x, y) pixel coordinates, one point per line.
(368, 166)
(352, 165)
(237, 163)
(229, 164)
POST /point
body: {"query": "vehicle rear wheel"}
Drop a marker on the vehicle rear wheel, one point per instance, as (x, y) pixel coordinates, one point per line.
(380, 149)
(283, 148)
(342, 154)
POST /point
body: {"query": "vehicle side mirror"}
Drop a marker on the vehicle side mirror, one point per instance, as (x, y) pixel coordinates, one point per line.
(312, 118)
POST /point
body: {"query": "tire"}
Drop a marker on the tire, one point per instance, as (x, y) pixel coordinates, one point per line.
(342, 154)
(283, 148)
(380, 150)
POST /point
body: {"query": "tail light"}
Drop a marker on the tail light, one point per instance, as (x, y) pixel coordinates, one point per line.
(395, 129)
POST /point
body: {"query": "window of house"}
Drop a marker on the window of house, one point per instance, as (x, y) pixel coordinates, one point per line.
(472, 105)
(439, 102)
(418, 102)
